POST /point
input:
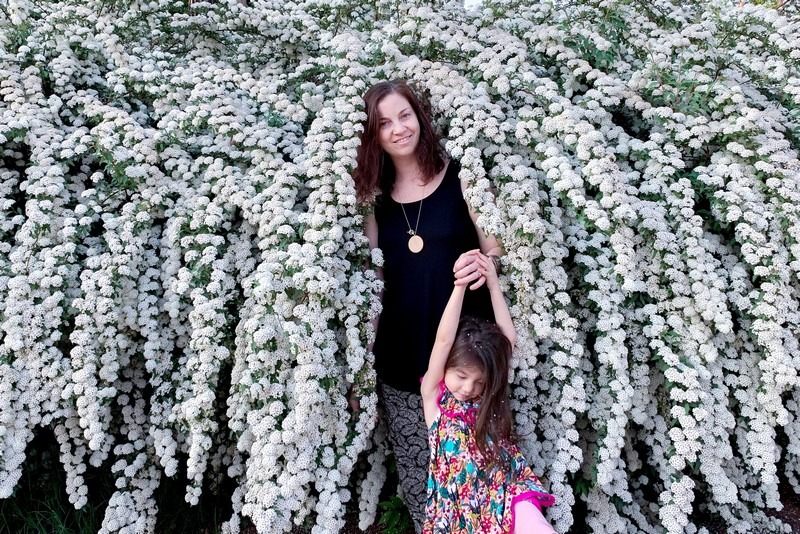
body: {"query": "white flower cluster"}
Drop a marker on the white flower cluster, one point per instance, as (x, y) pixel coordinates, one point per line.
(184, 275)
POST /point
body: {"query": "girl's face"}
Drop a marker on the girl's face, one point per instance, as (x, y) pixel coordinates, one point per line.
(398, 127)
(465, 383)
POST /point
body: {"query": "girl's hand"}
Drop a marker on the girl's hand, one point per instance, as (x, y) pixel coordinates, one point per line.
(467, 270)
(488, 269)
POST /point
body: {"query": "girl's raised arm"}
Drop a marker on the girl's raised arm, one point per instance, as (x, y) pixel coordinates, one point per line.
(502, 315)
(445, 336)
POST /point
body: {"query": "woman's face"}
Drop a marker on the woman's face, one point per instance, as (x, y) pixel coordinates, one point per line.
(398, 127)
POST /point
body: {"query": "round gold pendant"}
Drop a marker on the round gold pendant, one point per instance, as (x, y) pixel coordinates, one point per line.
(415, 244)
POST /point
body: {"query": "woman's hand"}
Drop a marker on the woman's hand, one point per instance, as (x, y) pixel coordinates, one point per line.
(467, 269)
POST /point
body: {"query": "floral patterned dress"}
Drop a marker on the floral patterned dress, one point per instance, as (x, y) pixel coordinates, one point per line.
(463, 496)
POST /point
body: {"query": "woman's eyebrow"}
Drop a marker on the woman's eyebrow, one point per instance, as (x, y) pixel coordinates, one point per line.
(381, 117)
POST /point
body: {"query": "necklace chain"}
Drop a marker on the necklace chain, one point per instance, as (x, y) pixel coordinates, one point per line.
(415, 242)
(419, 212)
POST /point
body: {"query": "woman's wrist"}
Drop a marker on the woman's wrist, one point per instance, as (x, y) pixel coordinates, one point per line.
(498, 266)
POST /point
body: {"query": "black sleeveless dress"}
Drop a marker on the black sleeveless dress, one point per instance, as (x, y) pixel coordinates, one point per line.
(418, 286)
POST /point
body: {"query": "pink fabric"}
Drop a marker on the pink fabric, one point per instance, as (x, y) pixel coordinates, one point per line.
(535, 523)
(531, 497)
(468, 415)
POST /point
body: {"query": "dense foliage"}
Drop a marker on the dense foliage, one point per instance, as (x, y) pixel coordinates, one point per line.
(185, 286)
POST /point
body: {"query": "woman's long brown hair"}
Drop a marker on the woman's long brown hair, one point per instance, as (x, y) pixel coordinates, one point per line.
(481, 344)
(374, 171)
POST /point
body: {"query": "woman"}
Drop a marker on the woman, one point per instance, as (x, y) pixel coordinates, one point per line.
(428, 234)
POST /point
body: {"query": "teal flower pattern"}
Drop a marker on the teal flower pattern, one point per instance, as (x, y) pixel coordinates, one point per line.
(465, 496)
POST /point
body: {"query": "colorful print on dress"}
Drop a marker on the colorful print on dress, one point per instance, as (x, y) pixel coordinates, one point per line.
(464, 496)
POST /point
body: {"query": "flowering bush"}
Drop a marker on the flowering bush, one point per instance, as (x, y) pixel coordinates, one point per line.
(185, 284)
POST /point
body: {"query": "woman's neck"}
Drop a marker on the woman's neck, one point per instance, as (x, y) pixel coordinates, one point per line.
(407, 172)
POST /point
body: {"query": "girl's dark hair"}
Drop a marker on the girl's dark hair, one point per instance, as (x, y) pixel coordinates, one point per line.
(481, 344)
(374, 172)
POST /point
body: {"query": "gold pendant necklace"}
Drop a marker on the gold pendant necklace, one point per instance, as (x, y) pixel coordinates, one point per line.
(415, 242)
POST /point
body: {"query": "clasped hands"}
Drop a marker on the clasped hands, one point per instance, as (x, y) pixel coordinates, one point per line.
(472, 267)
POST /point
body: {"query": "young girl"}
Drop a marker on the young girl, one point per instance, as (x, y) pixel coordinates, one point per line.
(478, 481)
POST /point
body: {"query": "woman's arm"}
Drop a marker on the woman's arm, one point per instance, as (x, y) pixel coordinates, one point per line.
(371, 231)
(465, 267)
(445, 336)
(488, 243)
